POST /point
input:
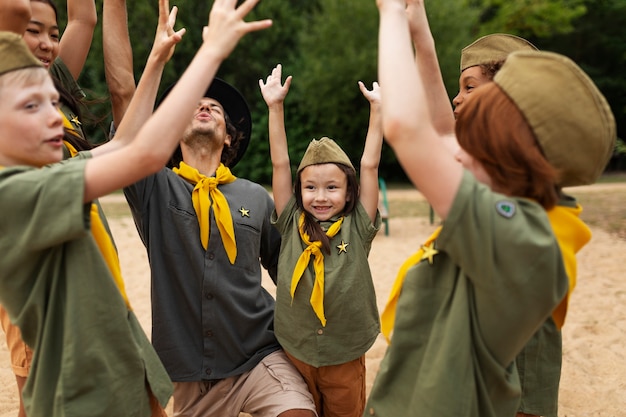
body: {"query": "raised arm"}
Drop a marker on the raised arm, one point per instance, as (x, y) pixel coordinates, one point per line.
(370, 159)
(407, 125)
(76, 40)
(142, 103)
(160, 135)
(441, 112)
(118, 57)
(274, 94)
(14, 15)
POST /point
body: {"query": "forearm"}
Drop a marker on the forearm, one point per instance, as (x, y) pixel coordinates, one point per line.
(427, 64)
(407, 124)
(370, 161)
(118, 57)
(15, 15)
(141, 104)
(76, 40)
(373, 140)
(279, 153)
(401, 86)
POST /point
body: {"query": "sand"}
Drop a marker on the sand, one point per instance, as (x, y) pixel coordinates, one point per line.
(594, 367)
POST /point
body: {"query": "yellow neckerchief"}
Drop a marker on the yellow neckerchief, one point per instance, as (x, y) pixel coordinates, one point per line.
(104, 242)
(571, 234)
(313, 248)
(388, 317)
(206, 194)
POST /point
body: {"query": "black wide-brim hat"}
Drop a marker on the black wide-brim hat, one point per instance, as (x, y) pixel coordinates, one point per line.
(236, 108)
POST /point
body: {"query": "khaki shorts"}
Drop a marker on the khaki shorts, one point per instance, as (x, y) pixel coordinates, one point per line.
(21, 355)
(270, 388)
(338, 390)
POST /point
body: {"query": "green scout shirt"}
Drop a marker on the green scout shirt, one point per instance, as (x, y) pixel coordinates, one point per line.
(539, 364)
(210, 319)
(461, 320)
(91, 356)
(349, 298)
(539, 368)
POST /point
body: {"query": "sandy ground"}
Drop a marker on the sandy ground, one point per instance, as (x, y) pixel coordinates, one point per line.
(593, 380)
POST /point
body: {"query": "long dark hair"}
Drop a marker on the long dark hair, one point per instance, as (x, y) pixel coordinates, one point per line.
(311, 225)
(75, 106)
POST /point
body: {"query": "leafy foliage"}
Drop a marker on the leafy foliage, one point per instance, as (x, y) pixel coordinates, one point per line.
(329, 45)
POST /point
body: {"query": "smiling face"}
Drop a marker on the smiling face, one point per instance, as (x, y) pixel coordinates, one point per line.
(31, 127)
(324, 190)
(470, 79)
(42, 33)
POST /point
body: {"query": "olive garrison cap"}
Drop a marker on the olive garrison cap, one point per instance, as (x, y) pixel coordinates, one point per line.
(569, 116)
(324, 151)
(14, 54)
(490, 48)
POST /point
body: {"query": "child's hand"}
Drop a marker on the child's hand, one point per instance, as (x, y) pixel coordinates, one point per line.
(226, 26)
(373, 95)
(272, 90)
(416, 14)
(166, 39)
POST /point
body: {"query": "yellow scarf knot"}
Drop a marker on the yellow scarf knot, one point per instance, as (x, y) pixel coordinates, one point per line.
(313, 248)
(206, 195)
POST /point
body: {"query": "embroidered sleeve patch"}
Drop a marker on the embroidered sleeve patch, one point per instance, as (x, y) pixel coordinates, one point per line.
(506, 208)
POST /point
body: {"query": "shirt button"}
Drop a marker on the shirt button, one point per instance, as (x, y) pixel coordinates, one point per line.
(320, 331)
(211, 256)
(209, 296)
(208, 371)
(209, 333)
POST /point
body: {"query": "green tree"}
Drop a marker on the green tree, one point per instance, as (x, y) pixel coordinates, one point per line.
(329, 45)
(529, 18)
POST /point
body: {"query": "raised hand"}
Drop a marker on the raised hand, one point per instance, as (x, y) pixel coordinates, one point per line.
(166, 38)
(373, 95)
(226, 25)
(272, 90)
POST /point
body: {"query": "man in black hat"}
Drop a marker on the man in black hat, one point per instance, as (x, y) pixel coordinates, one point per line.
(207, 234)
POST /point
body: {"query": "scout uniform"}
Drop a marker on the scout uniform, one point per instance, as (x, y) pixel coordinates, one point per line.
(21, 354)
(60, 290)
(500, 265)
(332, 320)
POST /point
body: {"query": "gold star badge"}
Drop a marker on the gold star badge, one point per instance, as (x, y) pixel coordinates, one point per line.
(75, 120)
(429, 252)
(343, 247)
(244, 212)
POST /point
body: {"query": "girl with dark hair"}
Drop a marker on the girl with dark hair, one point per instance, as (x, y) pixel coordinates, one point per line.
(326, 316)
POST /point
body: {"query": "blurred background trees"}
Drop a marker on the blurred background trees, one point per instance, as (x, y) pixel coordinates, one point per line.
(329, 45)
